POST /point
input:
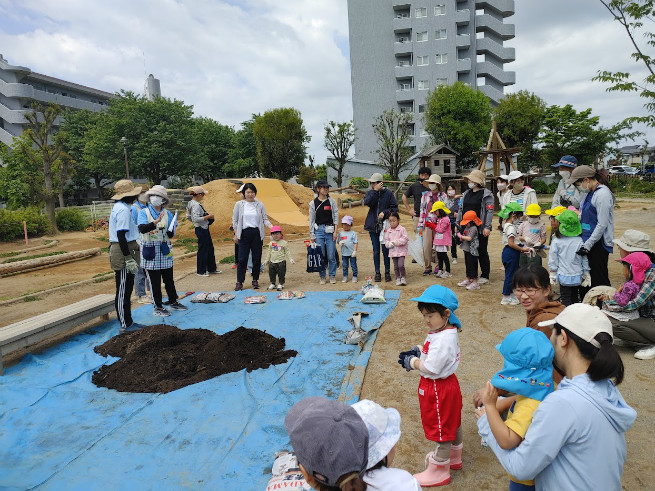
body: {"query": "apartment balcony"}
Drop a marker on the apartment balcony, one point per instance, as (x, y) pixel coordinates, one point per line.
(488, 22)
(504, 8)
(403, 47)
(405, 95)
(401, 23)
(488, 69)
(462, 17)
(463, 41)
(400, 5)
(492, 93)
(6, 137)
(405, 71)
(489, 46)
(13, 116)
(464, 65)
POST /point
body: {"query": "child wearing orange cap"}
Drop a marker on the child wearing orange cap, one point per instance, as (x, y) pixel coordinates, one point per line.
(470, 243)
(276, 256)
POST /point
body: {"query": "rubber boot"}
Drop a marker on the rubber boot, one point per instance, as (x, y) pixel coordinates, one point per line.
(456, 456)
(436, 473)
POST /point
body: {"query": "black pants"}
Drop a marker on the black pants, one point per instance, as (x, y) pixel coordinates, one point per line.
(205, 259)
(278, 270)
(250, 241)
(236, 253)
(123, 302)
(455, 243)
(483, 254)
(598, 258)
(155, 277)
(569, 294)
(471, 262)
(442, 258)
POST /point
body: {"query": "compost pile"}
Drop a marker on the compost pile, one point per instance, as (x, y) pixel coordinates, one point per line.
(164, 358)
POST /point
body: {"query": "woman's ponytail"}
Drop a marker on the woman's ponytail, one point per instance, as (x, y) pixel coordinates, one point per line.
(352, 482)
(605, 363)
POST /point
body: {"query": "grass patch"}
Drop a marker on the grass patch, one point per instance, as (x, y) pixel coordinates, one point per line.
(102, 238)
(227, 260)
(227, 239)
(31, 298)
(35, 256)
(101, 278)
(102, 274)
(9, 254)
(105, 249)
(189, 243)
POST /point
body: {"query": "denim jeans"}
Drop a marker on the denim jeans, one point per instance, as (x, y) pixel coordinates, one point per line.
(326, 242)
(353, 262)
(510, 258)
(140, 282)
(375, 240)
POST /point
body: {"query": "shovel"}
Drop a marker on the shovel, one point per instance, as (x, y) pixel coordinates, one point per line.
(356, 334)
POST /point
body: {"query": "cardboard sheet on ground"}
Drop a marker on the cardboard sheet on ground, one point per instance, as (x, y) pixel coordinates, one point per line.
(279, 205)
(59, 431)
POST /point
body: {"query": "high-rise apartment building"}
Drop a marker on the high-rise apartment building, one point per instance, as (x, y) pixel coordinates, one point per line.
(400, 50)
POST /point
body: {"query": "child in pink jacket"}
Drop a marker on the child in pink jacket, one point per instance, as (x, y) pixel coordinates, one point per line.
(395, 239)
(442, 238)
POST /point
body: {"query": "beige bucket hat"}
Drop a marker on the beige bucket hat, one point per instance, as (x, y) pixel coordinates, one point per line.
(158, 190)
(476, 176)
(124, 188)
(434, 179)
(634, 241)
(197, 190)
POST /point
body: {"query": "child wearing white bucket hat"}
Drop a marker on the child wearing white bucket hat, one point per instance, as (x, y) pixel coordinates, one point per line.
(383, 433)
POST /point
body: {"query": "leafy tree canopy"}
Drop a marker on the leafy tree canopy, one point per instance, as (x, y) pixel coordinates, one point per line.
(338, 139)
(392, 132)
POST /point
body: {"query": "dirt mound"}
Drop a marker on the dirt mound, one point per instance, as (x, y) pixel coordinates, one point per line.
(164, 358)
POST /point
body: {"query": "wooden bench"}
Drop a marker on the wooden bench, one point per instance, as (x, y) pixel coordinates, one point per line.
(34, 330)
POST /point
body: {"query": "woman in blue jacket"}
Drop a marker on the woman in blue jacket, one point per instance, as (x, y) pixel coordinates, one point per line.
(381, 202)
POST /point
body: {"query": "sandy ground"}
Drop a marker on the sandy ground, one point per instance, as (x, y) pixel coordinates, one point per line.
(485, 323)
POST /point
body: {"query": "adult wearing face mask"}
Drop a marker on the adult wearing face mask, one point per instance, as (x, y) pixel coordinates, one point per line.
(430, 197)
(140, 277)
(415, 191)
(381, 202)
(502, 183)
(567, 194)
(520, 193)
(597, 219)
(481, 200)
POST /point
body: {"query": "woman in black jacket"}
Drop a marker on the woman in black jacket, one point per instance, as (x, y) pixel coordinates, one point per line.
(381, 202)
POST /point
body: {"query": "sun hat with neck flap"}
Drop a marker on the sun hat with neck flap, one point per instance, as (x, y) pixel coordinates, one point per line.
(443, 296)
(383, 429)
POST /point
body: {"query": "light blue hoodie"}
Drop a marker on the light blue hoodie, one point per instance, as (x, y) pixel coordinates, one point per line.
(575, 441)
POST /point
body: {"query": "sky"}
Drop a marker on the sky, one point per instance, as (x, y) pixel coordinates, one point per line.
(232, 58)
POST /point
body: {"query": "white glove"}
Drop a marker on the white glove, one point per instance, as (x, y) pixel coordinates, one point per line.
(586, 280)
(264, 263)
(292, 261)
(353, 254)
(553, 278)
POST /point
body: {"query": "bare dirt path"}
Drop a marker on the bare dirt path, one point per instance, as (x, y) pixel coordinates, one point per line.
(485, 323)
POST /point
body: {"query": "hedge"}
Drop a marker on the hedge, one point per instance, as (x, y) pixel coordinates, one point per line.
(71, 220)
(11, 223)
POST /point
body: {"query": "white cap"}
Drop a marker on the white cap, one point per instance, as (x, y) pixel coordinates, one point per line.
(376, 177)
(515, 174)
(585, 321)
(504, 177)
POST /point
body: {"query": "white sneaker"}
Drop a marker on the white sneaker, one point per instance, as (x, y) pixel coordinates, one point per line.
(482, 281)
(473, 286)
(513, 301)
(397, 281)
(280, 287)
(445, 274)
(505, 301)
(271, 286)
(464, 283)
(345, 279)
(454, 260)
(645, 353)
(354, 279)
(145, 299)
(403, 281)
(321, 281)
(333, 280)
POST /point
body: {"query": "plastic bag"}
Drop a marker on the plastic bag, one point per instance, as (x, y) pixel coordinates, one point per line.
(315, 260)
(374, 295)
(255, 299)
(415, 247)
(287, 473)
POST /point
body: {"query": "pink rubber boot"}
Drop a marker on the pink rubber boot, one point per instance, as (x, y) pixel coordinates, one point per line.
(456, 456)
(436, 473)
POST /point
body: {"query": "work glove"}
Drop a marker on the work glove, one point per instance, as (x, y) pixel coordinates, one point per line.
(459, 236)
(130, 265)
(406, 362)
(553, 278)
(536, 244)
(583, 251)
(586, 280)
(415, 351)
(264, 263)
(291, 260)
(530, 252)
(353, 254)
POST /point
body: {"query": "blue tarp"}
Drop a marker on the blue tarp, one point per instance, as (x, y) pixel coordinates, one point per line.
(59, 431)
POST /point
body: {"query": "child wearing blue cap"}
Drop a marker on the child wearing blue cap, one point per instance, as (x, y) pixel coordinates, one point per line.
(439, 394)
(528, 373)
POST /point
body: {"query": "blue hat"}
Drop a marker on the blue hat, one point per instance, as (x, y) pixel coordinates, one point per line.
(443, 296)
(567, 161)
(528, 369)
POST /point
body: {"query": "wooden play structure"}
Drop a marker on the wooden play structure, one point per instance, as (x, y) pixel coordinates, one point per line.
(496, 148)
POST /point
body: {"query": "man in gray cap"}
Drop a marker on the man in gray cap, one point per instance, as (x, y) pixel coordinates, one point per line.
(381, 203)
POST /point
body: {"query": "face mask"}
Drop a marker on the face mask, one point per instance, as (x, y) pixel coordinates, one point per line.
(420, 179)
(451, 193)
(432, 186)
(565, 174)
(518, 185)
(501, 186)
(156, 200)
(471, 185)
(534, 220)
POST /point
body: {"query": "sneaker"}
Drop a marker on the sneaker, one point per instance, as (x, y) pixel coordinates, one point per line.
(427, 272)
(133, 327)
(436, 270)
(354, 279)
(235, 266)
(483, 281)
(161, 312)
(397, 281)
(333, 280)
(271, 286)
(280, 287)
(438, 274)
(178, 306)
(321, 281)
(345, 279)
(403, 281)
(255, 285)
(473, 286)
(464, 283)
(645, 353)
(218, 271)
(514, 301)
(445, 274)
(145, 299)
(454, 261)
(202, 274)
(505, 301)
(387, 277)
(238, 287)
(378, 277)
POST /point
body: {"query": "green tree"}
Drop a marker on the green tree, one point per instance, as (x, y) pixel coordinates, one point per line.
(281, 141)
(214, 142)
(519, 117)
(565, 131)
(307, 176)
(460, 117)
(392, 133)
(21, 180)
(242, 160)
(632, 15)
(338, 139)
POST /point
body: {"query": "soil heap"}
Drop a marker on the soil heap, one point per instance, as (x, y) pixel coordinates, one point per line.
(164, 358)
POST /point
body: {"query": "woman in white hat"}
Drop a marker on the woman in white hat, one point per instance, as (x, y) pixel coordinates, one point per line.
(381, 203)
(157, 226)
(428, 199)
(205, 259)
(576, 439)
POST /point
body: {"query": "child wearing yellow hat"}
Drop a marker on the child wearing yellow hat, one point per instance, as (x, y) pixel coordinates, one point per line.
(532, 233)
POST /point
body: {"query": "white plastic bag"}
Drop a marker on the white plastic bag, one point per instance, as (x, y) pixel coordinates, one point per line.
(415, 247)
(374, 295)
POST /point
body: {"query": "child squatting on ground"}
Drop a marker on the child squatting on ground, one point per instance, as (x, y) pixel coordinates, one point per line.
(439, 394)
(512, 249)
(276, 256)
(635, 266)
(532, 233)
(395, 240)
(470, 244)
(569, 269)
(348, 241)
(442, 238)
(527, 373)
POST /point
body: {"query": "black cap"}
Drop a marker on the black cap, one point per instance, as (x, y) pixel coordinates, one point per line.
(322, 184)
